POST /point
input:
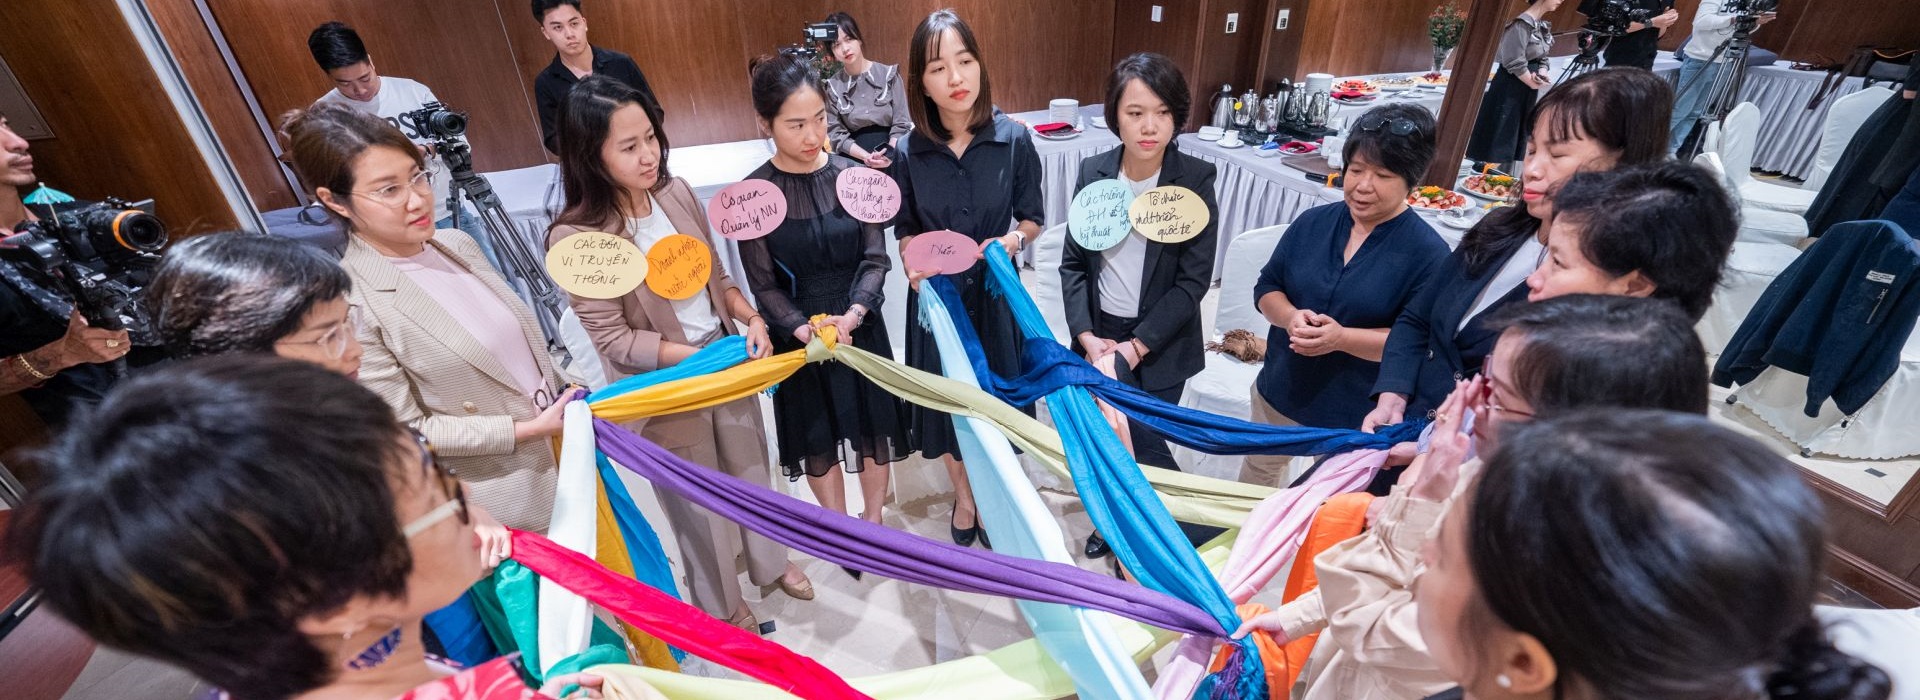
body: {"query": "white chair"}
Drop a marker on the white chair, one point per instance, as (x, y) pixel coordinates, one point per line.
(1884, 638)
(1881, 429)
(1844, 118)
(1044, 282)
(1222, 387)
(1750, 268)
(1759, 225)
(1738, 134)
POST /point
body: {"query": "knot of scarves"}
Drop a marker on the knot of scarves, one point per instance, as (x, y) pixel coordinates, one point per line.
(1180, 594)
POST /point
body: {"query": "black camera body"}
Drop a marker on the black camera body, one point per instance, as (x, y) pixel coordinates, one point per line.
(1611, 18)
(814, 37)
(433, 121)
(99, 258)
(1749, 7)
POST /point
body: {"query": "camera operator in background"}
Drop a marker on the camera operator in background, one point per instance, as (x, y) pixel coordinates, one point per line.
(1713, 25)
(338, 50)
(573, 60)
(1647, 22)
(51, 362)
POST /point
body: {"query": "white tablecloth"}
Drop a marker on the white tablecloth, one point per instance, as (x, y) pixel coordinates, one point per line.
(1789, 132)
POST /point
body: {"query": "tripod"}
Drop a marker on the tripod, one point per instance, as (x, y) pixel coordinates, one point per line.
(1592, 43)
(520, 260)
(1724, 95)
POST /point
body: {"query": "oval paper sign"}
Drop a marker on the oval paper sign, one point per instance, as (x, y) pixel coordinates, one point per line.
(678, 266)
(1098, 217)
(596, 265)
(1169, 214)
(945, 252)
(868, 195)
(747, 209)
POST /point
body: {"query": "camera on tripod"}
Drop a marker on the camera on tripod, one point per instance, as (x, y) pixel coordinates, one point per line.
(813, 38)
(435, 122)
(1611, 18)
(99, 257)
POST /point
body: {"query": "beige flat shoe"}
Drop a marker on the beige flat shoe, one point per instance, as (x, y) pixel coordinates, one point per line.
(798, 591)
(745, 620)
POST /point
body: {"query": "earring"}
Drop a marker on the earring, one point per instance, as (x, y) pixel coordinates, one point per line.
(1501, 679)
(377, 654)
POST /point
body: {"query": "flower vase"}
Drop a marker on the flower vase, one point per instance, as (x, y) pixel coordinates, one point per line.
(1440, 54)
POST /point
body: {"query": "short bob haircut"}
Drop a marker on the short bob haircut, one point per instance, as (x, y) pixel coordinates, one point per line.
(848, 28)
(336, 45)
(203, 509)
(1405, 156)
(926, 47)
(586, 119)
(1672, 222)
(1590, 350)
(1160, 75)
(328, 138)
(1656, 555)
(239, 292)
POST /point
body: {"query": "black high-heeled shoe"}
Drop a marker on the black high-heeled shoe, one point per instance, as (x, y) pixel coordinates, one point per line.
(855, 573)
(964, 537)
(1096, 547)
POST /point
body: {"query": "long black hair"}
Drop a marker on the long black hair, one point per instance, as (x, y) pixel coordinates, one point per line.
(1617, 108)
(926, 48)
(592, 198)
(1658, 555)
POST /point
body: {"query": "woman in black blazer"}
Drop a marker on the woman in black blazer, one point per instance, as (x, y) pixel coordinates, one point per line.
(1140, 299)
(1585, 124)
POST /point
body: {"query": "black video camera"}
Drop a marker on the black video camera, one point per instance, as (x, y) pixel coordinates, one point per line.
(1611, 18)
(435, 122)
(813, 38)
(99, 258)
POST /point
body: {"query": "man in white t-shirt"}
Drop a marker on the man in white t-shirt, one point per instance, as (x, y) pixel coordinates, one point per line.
(1699, 67)
(357, 84)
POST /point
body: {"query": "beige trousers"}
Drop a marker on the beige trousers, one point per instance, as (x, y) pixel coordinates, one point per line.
(1266, 470)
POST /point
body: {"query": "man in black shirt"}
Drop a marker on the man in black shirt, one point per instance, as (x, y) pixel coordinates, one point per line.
(1642, 41)
(573, 59)
(51, 362)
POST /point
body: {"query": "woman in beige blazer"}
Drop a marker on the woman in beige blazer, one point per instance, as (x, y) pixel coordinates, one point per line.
(445, 341)
(614, 167)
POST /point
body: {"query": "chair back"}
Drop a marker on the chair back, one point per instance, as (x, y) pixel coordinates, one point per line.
(1246, 255)
(1844, 118)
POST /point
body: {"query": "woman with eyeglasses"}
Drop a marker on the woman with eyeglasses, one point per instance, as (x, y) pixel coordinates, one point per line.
(233, 292)
(1339, 277)
(1552, 357)
(445, 341)
(1592, 123)
(287, 536)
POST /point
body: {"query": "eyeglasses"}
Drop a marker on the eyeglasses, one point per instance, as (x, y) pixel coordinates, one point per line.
(396, 195)
(334, 341)
(1396, 126)
(450, 488)
(1510, 413)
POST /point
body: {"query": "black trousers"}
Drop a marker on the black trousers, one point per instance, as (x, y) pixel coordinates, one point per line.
(1149, 446)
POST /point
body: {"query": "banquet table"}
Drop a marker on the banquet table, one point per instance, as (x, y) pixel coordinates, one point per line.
(1789, 132)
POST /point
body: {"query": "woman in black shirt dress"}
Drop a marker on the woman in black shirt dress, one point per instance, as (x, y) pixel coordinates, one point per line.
(968, 170)
(821, 260)
(1500, 130)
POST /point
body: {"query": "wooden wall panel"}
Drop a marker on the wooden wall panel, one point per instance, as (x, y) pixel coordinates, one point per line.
(1227, 58)
(115, 133)
(1348, 38)
(226, 107)
(455, 47)
(1811, 30)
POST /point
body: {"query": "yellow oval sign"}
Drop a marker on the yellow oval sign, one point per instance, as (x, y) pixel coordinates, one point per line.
(1169, 214)
(596, 265)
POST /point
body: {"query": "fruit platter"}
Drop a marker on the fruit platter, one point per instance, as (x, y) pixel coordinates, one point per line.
(1492, 186)
(1431, 80)
(1360, 86)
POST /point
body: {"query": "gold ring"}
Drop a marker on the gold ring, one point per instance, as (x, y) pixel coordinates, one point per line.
(113, 343)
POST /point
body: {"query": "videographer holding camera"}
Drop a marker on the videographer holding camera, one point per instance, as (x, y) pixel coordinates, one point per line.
(338, 50)
(1645, 22)
(51, 362)
(1713, 25)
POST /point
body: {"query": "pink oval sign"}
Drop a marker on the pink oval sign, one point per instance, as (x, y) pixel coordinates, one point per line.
(945, 252)
(747, 209)
(868, 195)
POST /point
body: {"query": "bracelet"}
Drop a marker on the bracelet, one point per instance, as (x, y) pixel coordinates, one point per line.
(21, 359)
(751, 319)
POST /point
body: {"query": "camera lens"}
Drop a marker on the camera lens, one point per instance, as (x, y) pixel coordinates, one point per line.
(449, 123)
(137, 230)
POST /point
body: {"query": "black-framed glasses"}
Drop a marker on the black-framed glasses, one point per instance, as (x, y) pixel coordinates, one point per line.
(448, 483)
(1398, 126)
